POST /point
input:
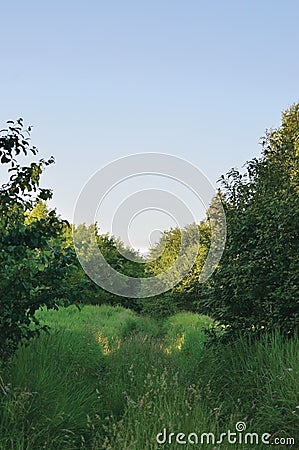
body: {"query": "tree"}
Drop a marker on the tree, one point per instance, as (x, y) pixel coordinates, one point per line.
(39, 212)
(32, 261)
(191, 243)
(255, 288)
(192, 240)
(124, 260)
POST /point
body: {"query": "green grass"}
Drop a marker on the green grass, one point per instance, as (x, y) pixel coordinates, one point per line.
(105, 378)
(185, 331)
(52, 391)
(110, 321)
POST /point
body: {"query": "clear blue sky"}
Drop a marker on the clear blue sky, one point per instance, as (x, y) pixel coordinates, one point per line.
(104, 79)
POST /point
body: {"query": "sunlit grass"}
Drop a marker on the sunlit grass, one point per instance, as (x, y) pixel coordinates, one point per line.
(105, 378)
(185, 329)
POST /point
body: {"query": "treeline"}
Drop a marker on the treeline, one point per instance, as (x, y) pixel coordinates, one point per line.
(253, 289)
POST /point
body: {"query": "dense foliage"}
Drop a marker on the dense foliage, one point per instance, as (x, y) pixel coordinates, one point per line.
(121, 258)
(169, 248)
(185, 295)
(32, 260)
(256, 285)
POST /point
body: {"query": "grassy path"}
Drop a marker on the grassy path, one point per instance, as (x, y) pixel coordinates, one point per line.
(106, 379)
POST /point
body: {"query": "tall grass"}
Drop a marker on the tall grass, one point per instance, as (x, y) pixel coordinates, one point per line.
(145, 395)
(110, 321)
(51, 391)
(105, 378)
(253, 380)
(50, 394)
(185, 330)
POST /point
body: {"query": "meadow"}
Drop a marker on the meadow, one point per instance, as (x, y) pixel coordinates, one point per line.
(106, 378)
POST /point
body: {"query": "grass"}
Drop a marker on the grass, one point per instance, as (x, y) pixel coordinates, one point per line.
(51, 392)
(105, 378)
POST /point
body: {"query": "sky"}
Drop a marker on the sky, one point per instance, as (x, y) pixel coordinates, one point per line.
(102, 80)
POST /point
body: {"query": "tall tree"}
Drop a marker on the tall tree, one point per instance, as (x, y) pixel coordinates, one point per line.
(256, 285)
(32, 262)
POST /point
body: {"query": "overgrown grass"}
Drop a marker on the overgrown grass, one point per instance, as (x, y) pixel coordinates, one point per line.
(51, 391)
(185, 331)
(105, 378)
(254, 381)
(110, 321)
